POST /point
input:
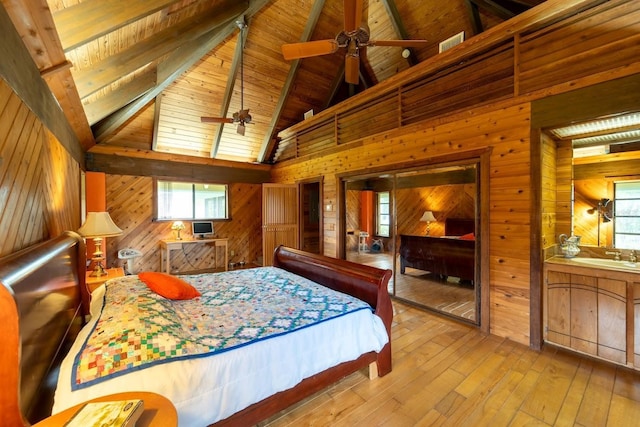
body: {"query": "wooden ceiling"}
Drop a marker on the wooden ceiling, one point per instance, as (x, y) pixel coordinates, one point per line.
(141, 73)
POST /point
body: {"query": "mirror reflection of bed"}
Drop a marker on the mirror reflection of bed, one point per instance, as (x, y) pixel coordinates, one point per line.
(439, 269)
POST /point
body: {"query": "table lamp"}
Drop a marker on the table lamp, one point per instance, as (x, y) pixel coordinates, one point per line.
(428, 217)
(97, 226)
(178, 226)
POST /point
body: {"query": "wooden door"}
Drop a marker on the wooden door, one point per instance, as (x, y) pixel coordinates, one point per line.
(279, 218)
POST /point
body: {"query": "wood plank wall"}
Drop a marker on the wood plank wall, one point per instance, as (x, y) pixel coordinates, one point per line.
(130, 203)
(503, 128)
(559, 55)
(39, 180)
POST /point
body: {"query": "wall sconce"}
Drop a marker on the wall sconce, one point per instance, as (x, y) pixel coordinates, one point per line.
(428, 217)
(177, 226)
(97, 226)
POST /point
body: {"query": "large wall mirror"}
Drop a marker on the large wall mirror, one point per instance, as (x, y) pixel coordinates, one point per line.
(421, 223)
(596, 132)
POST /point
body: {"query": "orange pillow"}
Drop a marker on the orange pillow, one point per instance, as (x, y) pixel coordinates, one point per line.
(468, 236)
(168, 286)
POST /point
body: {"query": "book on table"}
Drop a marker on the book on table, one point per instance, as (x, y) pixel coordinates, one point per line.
(117, 413)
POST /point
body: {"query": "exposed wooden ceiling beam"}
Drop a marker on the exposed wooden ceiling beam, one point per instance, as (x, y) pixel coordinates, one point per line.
(19, 71)
(103, 73)
(474, 17)
(86, 21)
(122, 161)
(178, 62)
(114, 100)
(495, 8)
(398, 25)
(269, 137)
(228, 91)
(33, 22)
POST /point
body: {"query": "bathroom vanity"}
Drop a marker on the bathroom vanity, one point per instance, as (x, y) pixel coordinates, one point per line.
(592, 306)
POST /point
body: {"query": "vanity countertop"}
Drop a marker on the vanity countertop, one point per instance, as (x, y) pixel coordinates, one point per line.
(598, 263)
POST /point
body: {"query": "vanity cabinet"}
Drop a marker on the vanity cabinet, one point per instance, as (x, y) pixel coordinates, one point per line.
(592, 311)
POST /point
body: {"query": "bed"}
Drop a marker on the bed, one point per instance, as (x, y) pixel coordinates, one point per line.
(35, 278)
(450, 255)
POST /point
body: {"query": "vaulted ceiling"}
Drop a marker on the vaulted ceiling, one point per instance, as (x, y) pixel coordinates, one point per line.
(140, 74)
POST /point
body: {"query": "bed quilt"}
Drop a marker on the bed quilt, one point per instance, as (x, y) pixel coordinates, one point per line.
(138, 328)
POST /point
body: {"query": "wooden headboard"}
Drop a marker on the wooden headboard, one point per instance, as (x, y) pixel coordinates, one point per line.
(42, 306)
(459, 226)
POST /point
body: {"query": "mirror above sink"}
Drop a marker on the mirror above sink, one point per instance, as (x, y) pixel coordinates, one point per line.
(597, 170)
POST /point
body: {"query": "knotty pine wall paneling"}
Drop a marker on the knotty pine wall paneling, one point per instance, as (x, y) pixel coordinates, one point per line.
(504, 129)
(130, 203)
(39, 179)
(548, 191)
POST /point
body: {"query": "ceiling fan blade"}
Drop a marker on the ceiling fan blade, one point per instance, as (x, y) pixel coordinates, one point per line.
(308, 49)
(216, 120)
(352, 69)
(352, 15)
(399, 43)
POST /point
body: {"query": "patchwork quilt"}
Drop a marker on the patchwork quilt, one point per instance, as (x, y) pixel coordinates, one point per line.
(138, 328)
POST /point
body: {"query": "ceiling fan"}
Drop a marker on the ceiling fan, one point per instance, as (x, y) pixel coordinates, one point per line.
(242, 117)
(354, 37)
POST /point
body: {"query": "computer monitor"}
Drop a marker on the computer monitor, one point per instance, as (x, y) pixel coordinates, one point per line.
(202, 229)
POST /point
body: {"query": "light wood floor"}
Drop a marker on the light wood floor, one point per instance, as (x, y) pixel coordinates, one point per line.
(424, 289)
(448, 373)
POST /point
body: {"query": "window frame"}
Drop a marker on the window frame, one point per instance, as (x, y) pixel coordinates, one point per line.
(194, 217)
(616, 216)
(378, 214)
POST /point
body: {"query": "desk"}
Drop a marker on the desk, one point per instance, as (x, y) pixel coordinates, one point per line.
(166, 246)
(158, 410)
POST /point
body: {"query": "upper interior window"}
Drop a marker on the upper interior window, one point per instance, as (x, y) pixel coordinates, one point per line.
(188, 200)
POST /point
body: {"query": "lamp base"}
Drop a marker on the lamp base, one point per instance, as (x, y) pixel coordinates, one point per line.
(98, 270)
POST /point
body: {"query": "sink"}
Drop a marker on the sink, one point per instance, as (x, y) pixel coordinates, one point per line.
(602, 262)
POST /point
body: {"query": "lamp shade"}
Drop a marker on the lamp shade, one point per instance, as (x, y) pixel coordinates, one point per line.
(99, 224)
(427, 216)
(177, 225)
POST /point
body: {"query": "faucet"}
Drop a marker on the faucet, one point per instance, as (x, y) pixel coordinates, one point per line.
(632, 256)
(616, 254)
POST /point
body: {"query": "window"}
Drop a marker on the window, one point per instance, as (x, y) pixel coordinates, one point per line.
(627, 215)
(382, 216)
(187, 200)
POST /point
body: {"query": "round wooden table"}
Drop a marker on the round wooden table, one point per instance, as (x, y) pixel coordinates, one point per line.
(158, 410)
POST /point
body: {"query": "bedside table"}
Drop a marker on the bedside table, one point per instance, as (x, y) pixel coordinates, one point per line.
(158, 410)
(93, 282)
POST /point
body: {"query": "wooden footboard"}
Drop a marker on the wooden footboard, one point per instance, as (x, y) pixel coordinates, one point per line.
(366, 283)
(361, 281)
(41, 314)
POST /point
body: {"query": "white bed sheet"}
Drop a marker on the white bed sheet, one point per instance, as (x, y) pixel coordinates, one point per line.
(208, 389)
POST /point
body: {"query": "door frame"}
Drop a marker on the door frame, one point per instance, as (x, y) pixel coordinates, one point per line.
(320, 181)
(482, 158)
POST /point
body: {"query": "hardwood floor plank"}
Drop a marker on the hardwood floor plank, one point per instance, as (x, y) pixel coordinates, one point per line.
(573, 400)
(623, 412)
(447, 373)
(545, 401)
(597, 396)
